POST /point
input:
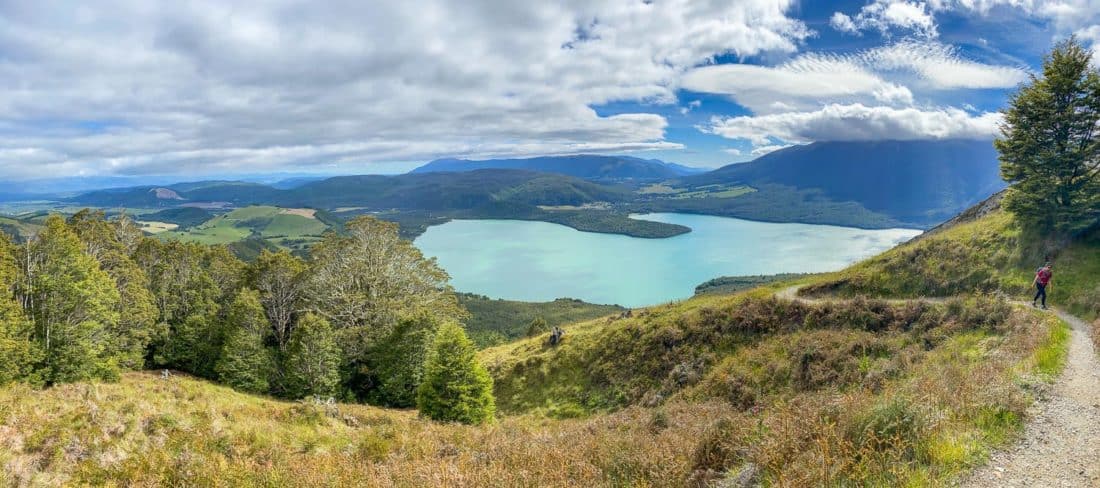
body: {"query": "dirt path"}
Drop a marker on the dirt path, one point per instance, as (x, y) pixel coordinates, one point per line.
(1061, 442)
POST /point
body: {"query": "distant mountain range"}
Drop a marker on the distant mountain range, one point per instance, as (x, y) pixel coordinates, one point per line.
(915, 182)
(431, 191)
(587, 166)
(862, 184)
(53, 188)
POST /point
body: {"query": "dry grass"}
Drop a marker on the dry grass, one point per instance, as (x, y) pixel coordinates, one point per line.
(308, 213)
(154, 227)
(937, 414)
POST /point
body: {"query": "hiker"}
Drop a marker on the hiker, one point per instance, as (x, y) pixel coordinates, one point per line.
(1042, 279)
(555, 335)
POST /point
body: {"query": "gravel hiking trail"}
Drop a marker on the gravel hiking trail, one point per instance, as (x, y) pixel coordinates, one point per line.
(1061, 443)
(1060, 446)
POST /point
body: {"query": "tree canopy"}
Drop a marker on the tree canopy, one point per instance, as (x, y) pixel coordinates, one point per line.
(89, 297)
(1050, 148)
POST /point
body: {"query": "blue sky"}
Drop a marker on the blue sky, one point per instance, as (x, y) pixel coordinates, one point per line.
(207, 88)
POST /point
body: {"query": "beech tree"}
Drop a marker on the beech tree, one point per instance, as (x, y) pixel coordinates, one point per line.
(368, 278)
(279, 277)
(395, 364)
(364, 282)
(244, 363)
(18, 352)
(111, 244)
(191, 285)
(72, 303)
(312, 359)
(1050, 146)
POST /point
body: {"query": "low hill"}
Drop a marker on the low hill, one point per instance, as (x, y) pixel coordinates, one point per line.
(184, 217)
(588, 166)
(916, 182)
(18, 228)
(274, 227)
(495, 321)
(134, 197)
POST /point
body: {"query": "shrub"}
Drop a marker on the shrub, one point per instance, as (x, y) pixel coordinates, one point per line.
(537, 326)
(456, 387)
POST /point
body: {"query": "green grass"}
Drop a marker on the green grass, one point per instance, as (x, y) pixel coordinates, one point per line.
(495, 321)
(659, 189)
(984, 255)
(294, 226)
(718, 192)
(273, 224)
(727, 285)
(1050, 358)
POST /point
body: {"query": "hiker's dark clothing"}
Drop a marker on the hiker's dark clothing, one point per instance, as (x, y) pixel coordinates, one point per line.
(1041, 293)
(1042, 279)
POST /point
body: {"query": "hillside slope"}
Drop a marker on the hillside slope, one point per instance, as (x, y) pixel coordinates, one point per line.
(921, 182)
(984, 254)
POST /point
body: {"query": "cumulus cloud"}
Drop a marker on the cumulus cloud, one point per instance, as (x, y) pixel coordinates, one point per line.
(843, 23)
(917, 16)
(857, 122)
(129, 87)
(1067, 15)
(886, 15)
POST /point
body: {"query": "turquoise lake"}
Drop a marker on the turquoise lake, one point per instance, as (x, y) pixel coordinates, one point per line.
(540, 261)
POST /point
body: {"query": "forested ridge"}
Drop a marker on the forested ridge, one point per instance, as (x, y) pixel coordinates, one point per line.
(88, 298)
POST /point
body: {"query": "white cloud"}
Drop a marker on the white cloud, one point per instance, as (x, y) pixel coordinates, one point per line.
(130, 87)
(857, 122)
(881, 75)
(1067, 16)
(804, 82)
(940, 66)
(887, 15)
(762, 150)
(694, 104)
(843, 23)
(732, 151)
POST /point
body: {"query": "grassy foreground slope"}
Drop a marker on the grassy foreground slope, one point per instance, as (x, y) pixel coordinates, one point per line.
(898, 414)
(146, 431)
